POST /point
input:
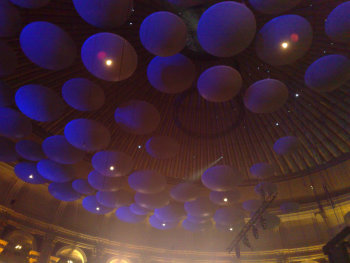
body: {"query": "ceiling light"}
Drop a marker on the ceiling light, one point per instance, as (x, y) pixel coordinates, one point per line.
(111, 168)
(31, 176)
(97, 209)
(18, 247)
(231, 228)
(139, 146)
(277, 124)
(109, 62)
(225, 200)
(284, 45)
(296, 95)
(163, 224)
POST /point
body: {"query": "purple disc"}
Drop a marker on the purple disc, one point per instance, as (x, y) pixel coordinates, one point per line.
(56, 172)
(83, 187)
(152, 201)
(63, 192)
(30, 150)
(104, 183)
(147, 182)
(173, 212)
(115, 199)
(27, 172)
(201, 207)
(112, 163)
(58, 149)
(90, 204)
(139, 210)
(14, 124)
(162, 225)
(124, 214)
(7, 150)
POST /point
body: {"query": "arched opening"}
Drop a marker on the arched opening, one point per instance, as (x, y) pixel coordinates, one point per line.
(118, 260)
(71, 254)
(20, 243)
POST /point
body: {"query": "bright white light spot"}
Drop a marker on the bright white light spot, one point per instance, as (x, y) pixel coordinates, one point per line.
(163, 224)
(111, 168)
(296, 95)
(225, 200)
(139, 146)
(69, 261)
(97, 209)
(130, 23)
(231, 229)
(31, 176)
(109, 62)
(284, 45)
(18, 247)
(277, 124)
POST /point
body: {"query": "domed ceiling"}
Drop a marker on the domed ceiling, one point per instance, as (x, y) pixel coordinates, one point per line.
(212, 115)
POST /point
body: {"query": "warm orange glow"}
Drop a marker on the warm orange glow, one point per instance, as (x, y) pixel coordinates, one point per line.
(109, 62)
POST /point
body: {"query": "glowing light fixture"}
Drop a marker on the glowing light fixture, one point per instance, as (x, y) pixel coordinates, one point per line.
(231, 228)
(97, 209)
(69, 261)
(18, 247)
(109, 62)
(284, 45)
(225, 200)
(163, 224)
(111, 168)
(31, 176)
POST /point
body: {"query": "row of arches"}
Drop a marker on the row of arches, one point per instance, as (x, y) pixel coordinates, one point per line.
(19, 245)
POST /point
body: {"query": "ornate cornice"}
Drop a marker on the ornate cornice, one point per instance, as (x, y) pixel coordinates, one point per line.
(134, 251)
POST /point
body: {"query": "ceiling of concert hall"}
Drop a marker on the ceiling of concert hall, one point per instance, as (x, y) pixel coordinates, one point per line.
(298, 127)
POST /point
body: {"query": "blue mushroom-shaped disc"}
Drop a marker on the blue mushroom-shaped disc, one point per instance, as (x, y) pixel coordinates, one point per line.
(104, 13)
(8, 60)
(63, 192)
(87, 135)
(58, 149)
(337, 24)
(163, 34)
(32, 4)
(48, 46)
(10, 19)
(226, 29)
(83, 94)
(30, 150)
(83, 187)
(109, 57)
(56, 172)
(39, 103)
(27, 172)
(14, 124)
(7, 150)
(91, 204)
(124, 214)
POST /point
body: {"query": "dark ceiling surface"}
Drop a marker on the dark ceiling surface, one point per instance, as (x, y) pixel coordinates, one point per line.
(206, 131)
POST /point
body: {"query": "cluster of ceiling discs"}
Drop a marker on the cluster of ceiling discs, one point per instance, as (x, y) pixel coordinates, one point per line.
(225, 29)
